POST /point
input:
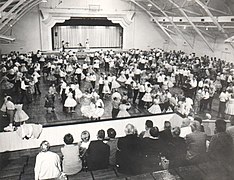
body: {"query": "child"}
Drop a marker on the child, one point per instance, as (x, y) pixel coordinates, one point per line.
(84, 144)
(20, 115)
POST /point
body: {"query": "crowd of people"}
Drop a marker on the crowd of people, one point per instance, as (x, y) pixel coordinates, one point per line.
(135, 153)
(141, 78)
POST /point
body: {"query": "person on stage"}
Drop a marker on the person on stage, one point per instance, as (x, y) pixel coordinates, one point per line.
(87, 44)
(63, 46)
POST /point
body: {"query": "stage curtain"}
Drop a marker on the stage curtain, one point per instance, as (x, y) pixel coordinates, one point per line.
(99, 36)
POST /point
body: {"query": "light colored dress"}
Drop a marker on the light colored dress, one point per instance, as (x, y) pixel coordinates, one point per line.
(230, 107)
(99, 110)
(155, 108)
(123, 110)
(78, 93)
(70, 101)
(20, 115)
(122, 78)
(147, 97)
(115, 84)
(72, 163)
(87, 109)
(106, 89)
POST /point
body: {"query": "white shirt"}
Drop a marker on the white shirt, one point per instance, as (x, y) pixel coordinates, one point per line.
(47, 165)
(223, 97)
(23, 85)
(35, 77)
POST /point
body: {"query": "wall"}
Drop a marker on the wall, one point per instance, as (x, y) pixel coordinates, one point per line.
(221, 50)
(11, 141)
(27, 34)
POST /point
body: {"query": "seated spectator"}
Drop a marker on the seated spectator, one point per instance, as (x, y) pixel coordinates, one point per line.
(112, 142)
(176, 153)
(230, 131)
(47, 164)
(72, 163)
(148, 125)
(128, 151)
(208, 116)
(220, 147)
(151, 148)
(166, 135)
(84, 144)
(196, 143)
(185, 127)
(98, 153)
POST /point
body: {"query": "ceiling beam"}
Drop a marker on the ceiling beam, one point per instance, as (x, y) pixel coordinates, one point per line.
(191, 12)
(9, 13)
(219, 11)
(169, 19)
(22, 13)
(15, 13)
(192, 24)
(155, 20)
(202, 26)
(215, 21)
(6, 38)
(5, 5)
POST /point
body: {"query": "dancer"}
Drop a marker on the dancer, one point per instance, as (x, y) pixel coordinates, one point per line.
(20, 116)
(99, 110)
(123, 107)
(70, 102)
(155, 108)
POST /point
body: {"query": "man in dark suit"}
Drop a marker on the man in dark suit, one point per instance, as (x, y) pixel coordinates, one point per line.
(128, 152)
(166, 134)
(98, 153)
(151, 149)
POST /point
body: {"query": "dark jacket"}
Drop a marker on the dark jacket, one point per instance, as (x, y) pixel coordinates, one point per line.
(128, 154)
(151, 150)
(98, 155)
(220, 147)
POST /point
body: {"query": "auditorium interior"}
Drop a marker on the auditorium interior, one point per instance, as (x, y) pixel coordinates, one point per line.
(157, 75)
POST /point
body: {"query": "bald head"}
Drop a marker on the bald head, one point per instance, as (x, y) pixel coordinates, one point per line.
(129, 129)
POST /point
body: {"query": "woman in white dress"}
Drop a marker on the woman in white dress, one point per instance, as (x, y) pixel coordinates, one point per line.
(20, 115)
(147, 98)
(85, 107)
(230, 107)
(122, 78)
(123, 107)
(70, 102)
(106, 88)
(78, 93)
(155, 108)
(115, 84)
(99, 110)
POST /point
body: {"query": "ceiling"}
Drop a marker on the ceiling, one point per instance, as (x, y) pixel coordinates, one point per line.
(163, 12)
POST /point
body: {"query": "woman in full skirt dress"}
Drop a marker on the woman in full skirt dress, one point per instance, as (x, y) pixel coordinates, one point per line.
(115, 84)
(122, 78)
(70, 102)
(155, 108)
(78, 93)
(123, 109)
(147, 98)
(230, 108)
(106, 88)
(20, 116)
(99, 110)
(85, 104)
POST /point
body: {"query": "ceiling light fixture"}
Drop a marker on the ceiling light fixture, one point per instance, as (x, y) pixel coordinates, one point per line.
(44, 1)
